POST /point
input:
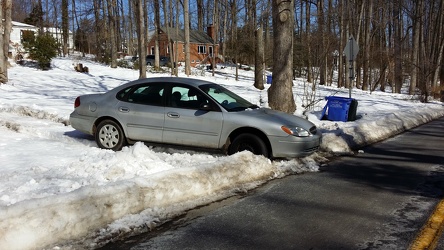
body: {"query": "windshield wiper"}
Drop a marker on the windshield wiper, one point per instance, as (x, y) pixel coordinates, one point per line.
(243, 108)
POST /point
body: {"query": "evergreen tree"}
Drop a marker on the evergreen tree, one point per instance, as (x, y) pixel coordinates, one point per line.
(36, 16)
(42, 49)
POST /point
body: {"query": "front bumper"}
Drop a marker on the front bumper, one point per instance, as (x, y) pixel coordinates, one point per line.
(292, 146)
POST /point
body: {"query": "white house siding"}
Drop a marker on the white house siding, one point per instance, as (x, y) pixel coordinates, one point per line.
(15, 44)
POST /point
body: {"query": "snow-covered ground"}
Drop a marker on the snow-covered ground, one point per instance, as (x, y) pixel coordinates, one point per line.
(57, 188)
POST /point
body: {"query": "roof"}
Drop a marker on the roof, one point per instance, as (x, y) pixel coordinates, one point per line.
(29, 26)
(23, 25)
(196, 36)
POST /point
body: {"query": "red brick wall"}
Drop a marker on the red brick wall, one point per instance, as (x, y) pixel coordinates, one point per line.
(195, 57)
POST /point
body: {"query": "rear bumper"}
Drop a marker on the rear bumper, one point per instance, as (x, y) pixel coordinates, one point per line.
(82, 123)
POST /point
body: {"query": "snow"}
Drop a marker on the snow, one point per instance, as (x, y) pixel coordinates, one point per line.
(58, 189)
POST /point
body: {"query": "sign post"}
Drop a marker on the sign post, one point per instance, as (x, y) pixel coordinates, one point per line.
(350, 51)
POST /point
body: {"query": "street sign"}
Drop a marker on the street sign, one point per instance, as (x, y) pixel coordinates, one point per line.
(351, 49)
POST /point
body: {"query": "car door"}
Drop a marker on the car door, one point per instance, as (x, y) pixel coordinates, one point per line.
(187, 124)
(143, 112)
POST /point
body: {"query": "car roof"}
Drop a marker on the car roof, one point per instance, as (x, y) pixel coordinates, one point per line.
(185, 80)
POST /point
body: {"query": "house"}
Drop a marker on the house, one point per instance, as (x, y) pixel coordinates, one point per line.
(58, 35)
(201, 45)
(16, 37)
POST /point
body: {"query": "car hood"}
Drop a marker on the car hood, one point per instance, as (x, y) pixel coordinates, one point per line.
(279, 117)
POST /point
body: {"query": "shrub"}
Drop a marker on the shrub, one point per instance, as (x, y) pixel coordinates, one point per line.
(42, 49)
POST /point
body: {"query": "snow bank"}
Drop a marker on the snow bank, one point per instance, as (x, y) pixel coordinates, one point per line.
(46, 221)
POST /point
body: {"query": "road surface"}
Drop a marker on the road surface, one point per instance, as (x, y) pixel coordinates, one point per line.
(379, 198)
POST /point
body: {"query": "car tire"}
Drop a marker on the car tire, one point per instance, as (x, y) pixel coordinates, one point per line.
(109, 135)
(250, 142)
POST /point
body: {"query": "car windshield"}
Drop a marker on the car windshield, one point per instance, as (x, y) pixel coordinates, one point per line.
(227, 99)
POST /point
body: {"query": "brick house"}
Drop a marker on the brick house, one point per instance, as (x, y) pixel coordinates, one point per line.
(201, 45)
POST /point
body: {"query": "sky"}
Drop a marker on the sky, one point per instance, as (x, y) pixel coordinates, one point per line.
(59, 190)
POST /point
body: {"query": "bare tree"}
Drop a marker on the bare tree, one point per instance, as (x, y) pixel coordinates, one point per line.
(157, 37)
(186, 17)
(259, 60)
(5, 31)
(141, 37)
(65, 26)
(200, 15)
(280, 94)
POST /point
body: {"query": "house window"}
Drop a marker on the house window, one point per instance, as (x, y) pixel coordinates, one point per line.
(210, 50)
(152, 50)
(202, 49)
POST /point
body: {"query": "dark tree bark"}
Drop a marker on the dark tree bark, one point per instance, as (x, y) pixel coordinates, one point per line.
(259, 60)
(65, 26)
(186, 17)
(141, 37)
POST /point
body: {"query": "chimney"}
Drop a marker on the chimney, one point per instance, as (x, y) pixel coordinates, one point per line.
(211, 32)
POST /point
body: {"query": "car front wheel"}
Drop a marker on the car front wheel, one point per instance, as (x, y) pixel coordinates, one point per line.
(109, 135)
(249, 142)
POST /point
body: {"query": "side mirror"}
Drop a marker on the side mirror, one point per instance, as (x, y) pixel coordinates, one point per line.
(205, 107)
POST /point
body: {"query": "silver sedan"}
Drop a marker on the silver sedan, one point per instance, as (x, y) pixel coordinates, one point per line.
(193, 113)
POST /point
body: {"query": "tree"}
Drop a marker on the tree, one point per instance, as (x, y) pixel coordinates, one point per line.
(112, 31)
(65, 25)
(186, 17)
(42, 49)
(36, 16)
(5, 27)
(259, 60)
(157, 36)
(280, 94)
(140, 37)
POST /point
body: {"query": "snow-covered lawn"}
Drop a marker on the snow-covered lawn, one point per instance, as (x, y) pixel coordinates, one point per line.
(56, 186)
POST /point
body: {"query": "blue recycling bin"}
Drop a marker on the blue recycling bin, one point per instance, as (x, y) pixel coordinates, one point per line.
(269, 78)
(340, 109)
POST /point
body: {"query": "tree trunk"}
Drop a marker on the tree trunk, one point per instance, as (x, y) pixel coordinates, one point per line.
(322, 49)
(397, 46)
(141, 37)
(366, 65)
(167, 27)
(259, 60)
(65, 26)
(308, 42)
(200, 15)
(186, 17)
(157, 35)
(5, 26)
(342, 38)
(215, 25)
(225, 31)
(280, 94)
(112, 32)
(415, 51)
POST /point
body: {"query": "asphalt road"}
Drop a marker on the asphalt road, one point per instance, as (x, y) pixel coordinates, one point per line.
(378, 199)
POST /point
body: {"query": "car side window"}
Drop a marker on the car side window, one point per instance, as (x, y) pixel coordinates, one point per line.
(147, 94)
(186, 97)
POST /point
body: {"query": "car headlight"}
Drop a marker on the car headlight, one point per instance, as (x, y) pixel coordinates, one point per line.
(296, 131)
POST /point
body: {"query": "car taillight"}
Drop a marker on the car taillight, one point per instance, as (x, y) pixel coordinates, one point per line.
(77, 102)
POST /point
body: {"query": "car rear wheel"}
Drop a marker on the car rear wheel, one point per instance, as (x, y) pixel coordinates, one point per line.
(249, 142)
(109, 135)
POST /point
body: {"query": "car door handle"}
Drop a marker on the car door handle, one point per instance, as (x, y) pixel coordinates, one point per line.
(173, 115)
(124, 109)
